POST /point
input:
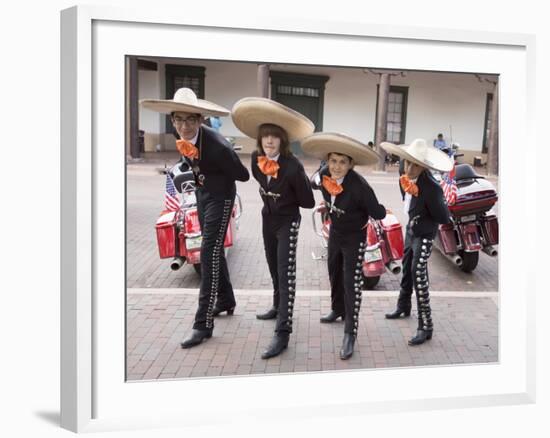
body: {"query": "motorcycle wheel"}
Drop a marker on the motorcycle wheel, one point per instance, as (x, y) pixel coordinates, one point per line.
(197, 268)
(369, 283)
(469, 260)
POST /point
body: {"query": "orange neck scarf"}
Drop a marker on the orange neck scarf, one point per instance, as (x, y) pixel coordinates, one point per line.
(187, 149)
(408, 186)
(268, 167)
(332, 186)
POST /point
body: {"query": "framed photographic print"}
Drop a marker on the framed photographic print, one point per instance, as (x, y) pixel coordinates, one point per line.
(125, 310)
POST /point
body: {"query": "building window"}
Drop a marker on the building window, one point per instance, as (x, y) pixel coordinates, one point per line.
(302, 92)
(188, 82)
(297, 91)
(396, 115)
(179, 76)
(488, 114)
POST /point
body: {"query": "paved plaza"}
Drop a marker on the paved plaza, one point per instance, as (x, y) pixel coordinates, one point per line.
(161, 303)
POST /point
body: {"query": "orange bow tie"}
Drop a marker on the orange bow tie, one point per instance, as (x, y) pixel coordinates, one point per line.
(408, 186)
(268, 167)
(332, 186)
(187, 149)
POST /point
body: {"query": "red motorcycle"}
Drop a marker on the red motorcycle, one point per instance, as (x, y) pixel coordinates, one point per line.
(384, 240)
(178, 232)
(473, 226)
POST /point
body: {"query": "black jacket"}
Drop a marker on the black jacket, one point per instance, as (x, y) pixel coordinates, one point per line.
(428, 209)
(290, 190)
(218, 166)
(352, 207)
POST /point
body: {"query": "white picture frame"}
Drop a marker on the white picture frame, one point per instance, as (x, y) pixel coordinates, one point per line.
(94, 396)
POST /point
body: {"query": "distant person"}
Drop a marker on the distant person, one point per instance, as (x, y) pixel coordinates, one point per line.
(440, 142)
(215, 123)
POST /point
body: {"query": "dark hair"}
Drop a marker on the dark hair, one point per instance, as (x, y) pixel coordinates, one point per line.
(343, 155)
(276, 131)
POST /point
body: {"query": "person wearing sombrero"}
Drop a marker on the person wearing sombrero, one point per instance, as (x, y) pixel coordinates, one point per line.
(284, 188)
(216, 167)
(426, 208)
(350, 201)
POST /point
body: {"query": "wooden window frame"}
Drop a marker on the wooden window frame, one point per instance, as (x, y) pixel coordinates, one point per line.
(173, 70)
(488, 103)
(396, 89)
(301, 80)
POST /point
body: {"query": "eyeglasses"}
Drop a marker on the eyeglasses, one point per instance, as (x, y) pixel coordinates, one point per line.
(191, 120)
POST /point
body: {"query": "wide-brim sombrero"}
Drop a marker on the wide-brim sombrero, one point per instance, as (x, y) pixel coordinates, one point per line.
(320, 144)
(419, 152)
(250, 113)
(185, 100)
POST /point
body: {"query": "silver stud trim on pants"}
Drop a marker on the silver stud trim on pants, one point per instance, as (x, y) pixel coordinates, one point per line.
(215, 278)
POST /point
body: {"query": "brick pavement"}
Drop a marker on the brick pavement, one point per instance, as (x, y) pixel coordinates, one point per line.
(466, 331)
(161, 303)
(246, 259)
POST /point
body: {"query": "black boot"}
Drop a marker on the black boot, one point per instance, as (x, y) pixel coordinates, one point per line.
(217, 310)
(332, 316)
(196, 337)
(421, 337)
(347, 346)
(270, 314)
(277, 345)
(398, 312)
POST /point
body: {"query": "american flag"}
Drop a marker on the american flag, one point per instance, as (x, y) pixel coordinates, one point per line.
(448, 184)
(171, 201)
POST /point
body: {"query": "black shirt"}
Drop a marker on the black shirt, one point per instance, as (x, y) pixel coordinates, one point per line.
(352, 207)
(428, 208)
(218, 166)
(290, 190)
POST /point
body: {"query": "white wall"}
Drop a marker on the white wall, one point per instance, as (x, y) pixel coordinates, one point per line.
(148, 84)
(350, 100)
(436, 101)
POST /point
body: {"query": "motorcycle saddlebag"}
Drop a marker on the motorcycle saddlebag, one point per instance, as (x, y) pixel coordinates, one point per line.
(447, 237)
(166, 234)
(393, 236)
(228, 241)
(190, 246)
(489, 225)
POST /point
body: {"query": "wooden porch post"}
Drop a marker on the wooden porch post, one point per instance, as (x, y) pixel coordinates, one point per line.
(134, 111)
(381, 125)
(263, 80)
(492, 146)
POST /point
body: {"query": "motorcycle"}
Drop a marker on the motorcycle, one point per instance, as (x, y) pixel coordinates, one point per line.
(474, 225)
(178, 232)
(383, 238)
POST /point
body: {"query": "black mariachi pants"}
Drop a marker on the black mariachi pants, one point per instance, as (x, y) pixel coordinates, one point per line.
(214, 215)
(415, 275)
(345, 260)
(280, 235)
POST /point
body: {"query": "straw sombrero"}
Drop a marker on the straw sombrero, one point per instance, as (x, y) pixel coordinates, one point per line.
(419, 152)
(319, 145)
(250, 113)
(185, 100)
